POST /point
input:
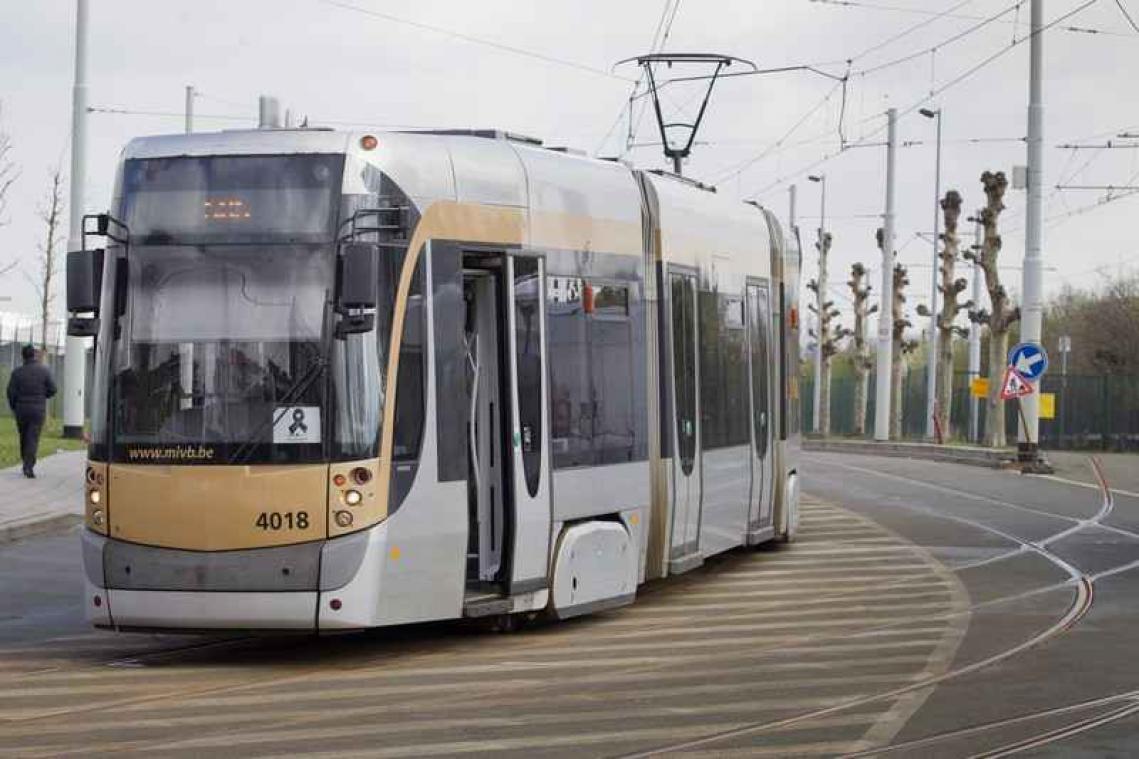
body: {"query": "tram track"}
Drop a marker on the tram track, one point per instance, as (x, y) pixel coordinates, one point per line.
(1081, 605)
(1084, 596)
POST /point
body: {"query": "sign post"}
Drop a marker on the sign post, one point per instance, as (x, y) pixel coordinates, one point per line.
(1027, 363)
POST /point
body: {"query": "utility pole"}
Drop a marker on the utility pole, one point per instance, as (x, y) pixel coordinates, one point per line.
(931, 363)
(75, 350)
(189, 108)
(821, 300)
(886, 293)
(975, 337)
(1032, 306)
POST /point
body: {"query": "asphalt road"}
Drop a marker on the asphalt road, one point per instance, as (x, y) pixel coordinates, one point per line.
(927, 607)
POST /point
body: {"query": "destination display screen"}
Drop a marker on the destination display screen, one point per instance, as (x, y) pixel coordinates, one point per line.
(232, 199)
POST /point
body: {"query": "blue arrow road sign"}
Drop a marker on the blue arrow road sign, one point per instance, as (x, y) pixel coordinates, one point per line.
(1029, 360)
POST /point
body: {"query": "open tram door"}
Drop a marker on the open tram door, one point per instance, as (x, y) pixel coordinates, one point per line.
(684, 551)
(508, 455)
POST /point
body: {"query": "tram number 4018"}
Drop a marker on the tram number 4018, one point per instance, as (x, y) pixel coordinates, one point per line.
(283, 520)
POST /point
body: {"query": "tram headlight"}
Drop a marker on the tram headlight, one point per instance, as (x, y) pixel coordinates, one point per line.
(353, 497)
(343, 519)
(95, 497)
(97, 517)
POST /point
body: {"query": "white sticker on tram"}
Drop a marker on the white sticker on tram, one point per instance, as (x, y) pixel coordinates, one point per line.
(296, 424)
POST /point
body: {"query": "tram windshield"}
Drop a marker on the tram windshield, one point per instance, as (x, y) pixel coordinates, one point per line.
(222, 349)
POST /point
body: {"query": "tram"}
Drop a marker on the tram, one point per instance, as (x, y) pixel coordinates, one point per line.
(347, 380)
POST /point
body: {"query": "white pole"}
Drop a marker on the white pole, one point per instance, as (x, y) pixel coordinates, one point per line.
(75, 351)
(189, 108)
(886, 294)
(792, 191)
(819, 301)
(975, 337)
(931, 362)
(1032, 308)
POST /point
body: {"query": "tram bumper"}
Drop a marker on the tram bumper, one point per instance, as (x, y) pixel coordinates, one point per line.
(134, 586)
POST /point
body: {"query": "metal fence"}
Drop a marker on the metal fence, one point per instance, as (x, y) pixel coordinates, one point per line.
(1091, 412)
(14, 335)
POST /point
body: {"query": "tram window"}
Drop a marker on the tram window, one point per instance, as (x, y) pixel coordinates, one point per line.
(611, 301)
(758, 309)
(571, 393)
(528, 347)
(596, 397)
(684, 370)
(723, 371)
(407, 435)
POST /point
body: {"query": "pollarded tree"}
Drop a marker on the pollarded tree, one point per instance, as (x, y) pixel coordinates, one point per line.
(862, 361)
(950, 288)
(1002, 314)
(901, 347)
(827, 335)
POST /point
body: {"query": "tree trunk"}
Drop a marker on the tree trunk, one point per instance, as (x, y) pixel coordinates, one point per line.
(825, 399)
(861, 385)
(995, 408)
(896, 392)
(944, 383)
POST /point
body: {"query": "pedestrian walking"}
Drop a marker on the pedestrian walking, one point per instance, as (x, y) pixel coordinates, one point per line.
(29, 387)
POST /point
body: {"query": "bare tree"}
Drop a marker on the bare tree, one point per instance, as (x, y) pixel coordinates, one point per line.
(950, 288)
(1002, 314)
(51, 214)
(8, 175)
(8, 170)
(825, 313)
(861, 354)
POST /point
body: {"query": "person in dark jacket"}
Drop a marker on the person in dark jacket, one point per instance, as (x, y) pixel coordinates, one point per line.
(29, 387)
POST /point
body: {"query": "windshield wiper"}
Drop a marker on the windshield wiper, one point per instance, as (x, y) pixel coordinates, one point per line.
(294, 393)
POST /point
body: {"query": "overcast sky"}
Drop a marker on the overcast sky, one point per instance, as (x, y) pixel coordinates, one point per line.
(340, 66)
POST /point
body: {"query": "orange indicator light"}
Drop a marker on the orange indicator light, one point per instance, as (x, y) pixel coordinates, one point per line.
(369, 142)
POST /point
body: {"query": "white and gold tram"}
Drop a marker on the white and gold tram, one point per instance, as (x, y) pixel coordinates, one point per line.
(350, 380)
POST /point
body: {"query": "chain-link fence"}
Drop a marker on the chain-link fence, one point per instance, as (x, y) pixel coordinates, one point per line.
(1100, 412)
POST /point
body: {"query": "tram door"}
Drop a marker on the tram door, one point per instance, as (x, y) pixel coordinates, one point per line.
(530, 450)
(486, 493)
(686, 470)
(759, 344)
(509, 483)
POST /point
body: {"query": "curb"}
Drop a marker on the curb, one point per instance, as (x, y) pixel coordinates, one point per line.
(17, 530)
(983, 457)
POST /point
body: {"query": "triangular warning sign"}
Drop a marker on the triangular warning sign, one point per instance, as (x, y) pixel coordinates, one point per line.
(1014, 385)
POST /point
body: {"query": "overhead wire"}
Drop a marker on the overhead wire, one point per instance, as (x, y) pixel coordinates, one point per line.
(1126, 15)
(937, 91)
(500, 46)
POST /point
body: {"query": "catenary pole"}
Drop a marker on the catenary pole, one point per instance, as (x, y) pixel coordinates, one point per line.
(75, 348)
(931, 362)
(1032, 309)
(189, 108)
(819, 302)
(975, 336)
(885, 307)
(792, 193)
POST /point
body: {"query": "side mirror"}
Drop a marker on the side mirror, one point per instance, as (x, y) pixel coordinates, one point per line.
(359, 275)
(84, 284)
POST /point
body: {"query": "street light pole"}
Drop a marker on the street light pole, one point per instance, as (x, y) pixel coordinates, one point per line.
(882, 373)
(975, 336)
(819, 304)
(75, 348)
(931, 362)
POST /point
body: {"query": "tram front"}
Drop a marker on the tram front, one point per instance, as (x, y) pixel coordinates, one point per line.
(240, 328)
